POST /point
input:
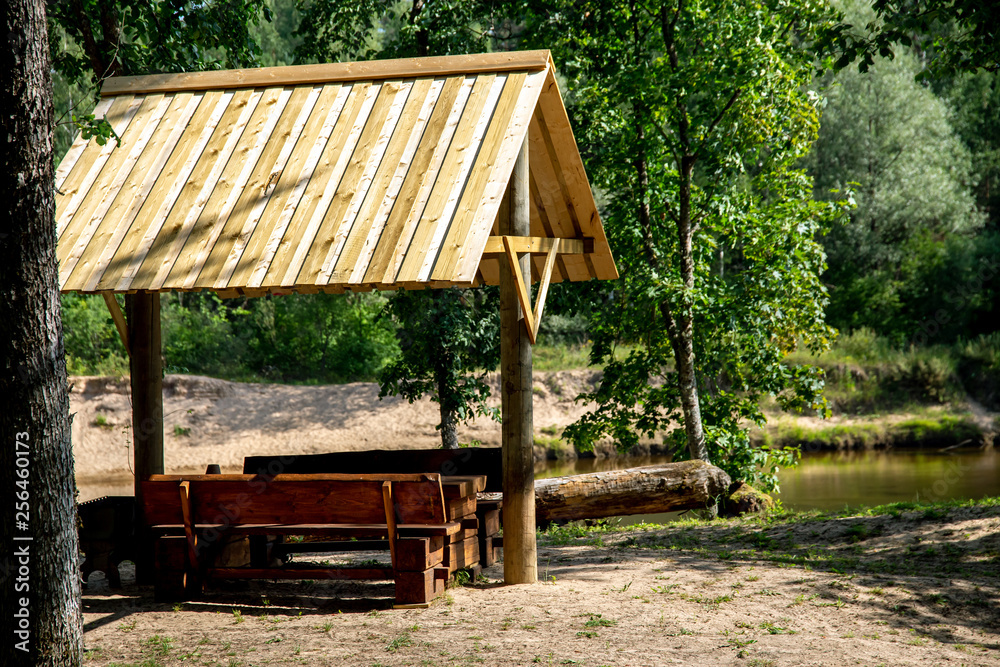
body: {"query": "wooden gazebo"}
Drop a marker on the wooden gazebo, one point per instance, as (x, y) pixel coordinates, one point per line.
(412, 174)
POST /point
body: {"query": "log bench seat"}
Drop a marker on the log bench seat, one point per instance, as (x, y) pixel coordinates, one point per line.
(197, 519)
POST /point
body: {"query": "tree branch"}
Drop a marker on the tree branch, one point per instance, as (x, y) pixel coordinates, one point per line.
(718, 119)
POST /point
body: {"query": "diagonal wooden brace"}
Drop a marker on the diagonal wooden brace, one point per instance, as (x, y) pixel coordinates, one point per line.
(118, 318)
(532, 319)
(189, 528)
(390, 519)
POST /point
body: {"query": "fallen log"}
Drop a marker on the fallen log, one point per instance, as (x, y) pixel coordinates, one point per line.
(668, 487)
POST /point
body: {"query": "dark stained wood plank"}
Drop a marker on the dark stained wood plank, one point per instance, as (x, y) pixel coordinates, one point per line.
(376, 573)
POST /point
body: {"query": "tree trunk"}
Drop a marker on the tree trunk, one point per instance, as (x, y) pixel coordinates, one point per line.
(449, 426)
(41, 578)
(682, 335)
(646, 490)
(680, 321)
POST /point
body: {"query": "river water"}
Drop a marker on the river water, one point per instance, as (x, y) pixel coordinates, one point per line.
(831, 481)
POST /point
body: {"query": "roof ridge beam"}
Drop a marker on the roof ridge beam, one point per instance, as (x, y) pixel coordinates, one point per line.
(294, 75)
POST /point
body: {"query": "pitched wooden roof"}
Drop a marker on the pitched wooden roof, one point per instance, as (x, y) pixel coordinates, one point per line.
(379, 174)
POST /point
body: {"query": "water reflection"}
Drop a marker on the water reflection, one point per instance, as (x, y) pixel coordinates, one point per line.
(831, 481)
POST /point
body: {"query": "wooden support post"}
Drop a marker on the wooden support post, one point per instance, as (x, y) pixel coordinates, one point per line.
(520, 560)
(146, 371)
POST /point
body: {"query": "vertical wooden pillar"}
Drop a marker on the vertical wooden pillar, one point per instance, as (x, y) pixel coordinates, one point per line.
(146, 371)
(520, 560)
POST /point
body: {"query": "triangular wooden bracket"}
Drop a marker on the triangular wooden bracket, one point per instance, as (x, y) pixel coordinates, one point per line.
(118, 318)
(531, 319)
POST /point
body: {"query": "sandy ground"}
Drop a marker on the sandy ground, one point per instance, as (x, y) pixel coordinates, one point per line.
(915, 589)
(919, 588)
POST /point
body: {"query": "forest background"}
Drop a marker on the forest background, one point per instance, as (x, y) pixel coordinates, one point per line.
(910, 259)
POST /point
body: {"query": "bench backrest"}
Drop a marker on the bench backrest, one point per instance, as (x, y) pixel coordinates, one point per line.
(466, 461)
(300, 499)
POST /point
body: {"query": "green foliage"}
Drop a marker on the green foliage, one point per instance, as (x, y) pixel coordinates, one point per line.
(892, 137)
(91, 40)
(696, 115)
(979, 364)
(915, 225)
(126, 37)
(556, 329)
(199, 334)
(298, 338)
(445, 337)
(866, 373)
(975, 101)
(334, 30)
(955, 35)
(93, 346)
(276, 38)
(320, 337)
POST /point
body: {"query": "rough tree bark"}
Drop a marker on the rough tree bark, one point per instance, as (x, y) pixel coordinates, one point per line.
(40, 576)
(446, 402)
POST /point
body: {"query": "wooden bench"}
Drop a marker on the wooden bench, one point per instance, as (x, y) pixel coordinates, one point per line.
(194, 516)
(450, 463)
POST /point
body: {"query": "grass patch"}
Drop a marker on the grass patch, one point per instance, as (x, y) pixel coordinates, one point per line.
(560, 357)
(932, 430)
(866, 373)
(399, 642)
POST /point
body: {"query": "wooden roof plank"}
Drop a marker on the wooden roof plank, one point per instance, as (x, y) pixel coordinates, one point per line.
(558, 188)
(473, 194)
(463, 181)
(348, 138)
(291, 185)
(358, 169)
(196, 191)
(371, 219)
(303, 219)
(365, 184)
(80, 144)
(485, 192)
(77, 185)
(496, 186)
(548, 199)
(565, 155)
(122, 215)
(215, 215)
(259, 189)
(222, 226)
(403, 222)
(540, 225)
(445, 183)
(106, 188)
(329, 72)
(417, 174)
(137, 243)
(544, 228)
